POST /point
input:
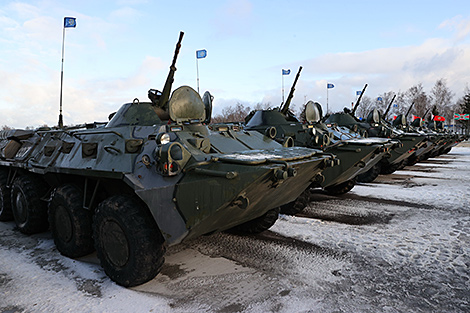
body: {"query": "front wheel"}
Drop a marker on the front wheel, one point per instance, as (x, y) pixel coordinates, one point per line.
(370, 175)
(298, 205)
(340, 189)
(390, 168)
(259, 224)
(5, 203)
(70, 222)
(127, 240)
(29, 211)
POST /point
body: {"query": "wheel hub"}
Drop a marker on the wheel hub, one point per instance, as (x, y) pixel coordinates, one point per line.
(21, 207)
(63, 224)
(115, 243)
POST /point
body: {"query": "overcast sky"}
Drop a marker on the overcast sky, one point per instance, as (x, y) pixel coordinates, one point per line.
(122, 48)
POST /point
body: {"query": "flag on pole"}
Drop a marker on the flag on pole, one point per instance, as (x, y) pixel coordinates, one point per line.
(415, 117)
(201, 54)
(439, 118)
(329, 86)
(358, 93)
(70, 22)
(285, 72)
(458, 116)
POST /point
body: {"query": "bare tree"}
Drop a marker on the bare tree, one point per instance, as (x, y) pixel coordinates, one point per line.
(463, 107)
(383, 100)
(400, 105)
(417, 95)
(365, 106)
(237, 113)
(441, 97)
(6, 127)
(262, 106)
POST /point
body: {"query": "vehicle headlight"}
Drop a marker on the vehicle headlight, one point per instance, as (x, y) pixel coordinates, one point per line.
(163, 138)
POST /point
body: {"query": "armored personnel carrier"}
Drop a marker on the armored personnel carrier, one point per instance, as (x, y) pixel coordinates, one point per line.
(355, 155)
(406, 143)
(442, 140)
(153, 176)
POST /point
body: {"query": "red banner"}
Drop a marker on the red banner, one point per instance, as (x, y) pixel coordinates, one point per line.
(439, 118)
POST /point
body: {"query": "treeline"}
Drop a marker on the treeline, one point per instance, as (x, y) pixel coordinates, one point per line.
(237, 113)
(439, 101)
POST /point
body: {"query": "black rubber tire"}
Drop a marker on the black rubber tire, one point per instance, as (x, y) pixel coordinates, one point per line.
(259, 224)
(5, 198)
(403, 164)
(412, 160)
(340, 189)
(70, 223)
(370, 175)
(389, 169)
(29, 211)
(127, 240)
(298, 205)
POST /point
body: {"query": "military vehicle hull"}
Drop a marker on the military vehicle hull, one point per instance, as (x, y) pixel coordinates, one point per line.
(196, 182)
(366, 153)
(410, 142)
(355, 155)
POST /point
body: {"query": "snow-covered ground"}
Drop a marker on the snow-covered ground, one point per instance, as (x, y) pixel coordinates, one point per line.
(399, 244)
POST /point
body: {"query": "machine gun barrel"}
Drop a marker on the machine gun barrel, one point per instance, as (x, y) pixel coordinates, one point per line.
(285, 106)
(389, 106)
(358, 100)
(409, 110)
(165, 96)
(425, 113)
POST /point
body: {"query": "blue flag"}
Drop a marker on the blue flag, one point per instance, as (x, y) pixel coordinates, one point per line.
(70, 22)
(329, 86)
(201, 54)
(285, 72)
(358, 93)
(379, 98)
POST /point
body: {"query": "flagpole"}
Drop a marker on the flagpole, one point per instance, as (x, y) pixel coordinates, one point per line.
(282, 74)
(327, 98)
(197, 71)
(61, 121)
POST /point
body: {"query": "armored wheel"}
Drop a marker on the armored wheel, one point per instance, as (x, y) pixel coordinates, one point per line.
(370, 175)
(29, 211)
(412, 160)
(298, 205)
(389, 169)
(5, 202)
(259, 224)
(340, 189)
(70, 223)
(128, 243)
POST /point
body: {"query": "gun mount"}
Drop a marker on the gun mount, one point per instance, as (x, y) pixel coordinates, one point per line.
(285, 107)
(388, 107)
(358, 100)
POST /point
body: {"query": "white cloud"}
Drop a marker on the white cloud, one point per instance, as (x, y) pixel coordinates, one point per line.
(459, 24)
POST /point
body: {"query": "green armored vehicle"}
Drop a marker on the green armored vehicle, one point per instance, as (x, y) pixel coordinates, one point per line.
(406, 143)
(154, 176)
(355, 155)
(441, 141)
